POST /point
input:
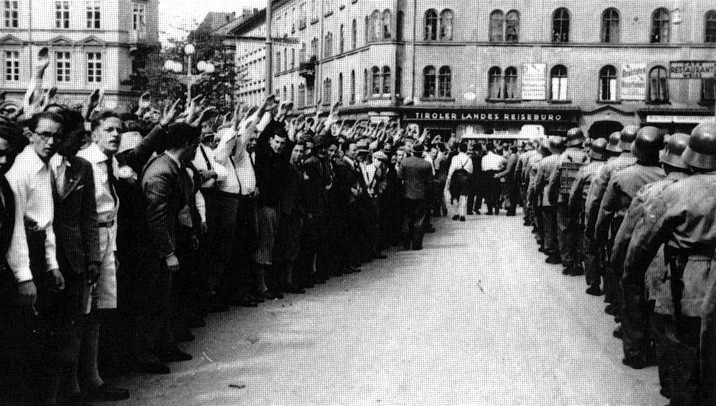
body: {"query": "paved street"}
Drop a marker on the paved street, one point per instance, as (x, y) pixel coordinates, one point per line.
(475, 318)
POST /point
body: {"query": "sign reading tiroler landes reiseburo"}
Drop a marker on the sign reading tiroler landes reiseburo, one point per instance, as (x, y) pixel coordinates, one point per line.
(692, 69)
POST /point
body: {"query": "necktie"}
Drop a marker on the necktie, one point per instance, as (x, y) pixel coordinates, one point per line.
(60, 177)
(112, 180)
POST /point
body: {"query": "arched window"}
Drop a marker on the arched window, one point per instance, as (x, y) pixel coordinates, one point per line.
(446, 20)
(377, 22)
(511, 83)
(292, 93)
(327, 92)
(710, 27)
(354, 34)
(610, 26)
(314, 47)
(398, 80)
(387, 16)
(512, 26)
(429, 82)
(658, 85)
(278, 61)
(660, 26)
(375, 83)
(386, 80)
(293, 58)
(342, 40)
(399, 26)
(495, 83)
(366, 84)
(496, 26)
(353, 87)
(368, 30)
(608, 83)
(445, 83)
(285, 59)
(340, 87)
(328, 45)
(558, 77)
(560, 25)
(431, 25)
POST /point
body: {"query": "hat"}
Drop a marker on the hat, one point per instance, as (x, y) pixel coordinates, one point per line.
(418, 148)
(323, 140)
(380, 155)
(129, 141)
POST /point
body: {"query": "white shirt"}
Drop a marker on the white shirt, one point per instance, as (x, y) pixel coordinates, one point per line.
(200, 163)
(31, 181)
(59, 165)
(460, 161)
(492, 162)
(240, 178)
(107, 200)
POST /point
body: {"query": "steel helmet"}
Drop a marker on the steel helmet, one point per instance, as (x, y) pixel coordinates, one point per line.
(587, 143)
(557, 145)
(701, 152)
(599, 149)
(575, 137)
(673, 150)
(613, 145)
(648, 143)
(627, 137)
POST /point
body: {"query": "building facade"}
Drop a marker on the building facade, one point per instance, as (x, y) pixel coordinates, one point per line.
(92, 44)
(494, 67)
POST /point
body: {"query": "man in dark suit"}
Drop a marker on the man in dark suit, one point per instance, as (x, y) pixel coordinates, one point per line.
(167, 190)
(350, 191)
(417, 175)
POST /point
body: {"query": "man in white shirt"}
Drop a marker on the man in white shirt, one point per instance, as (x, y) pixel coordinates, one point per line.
(492, 163)
(458, 188)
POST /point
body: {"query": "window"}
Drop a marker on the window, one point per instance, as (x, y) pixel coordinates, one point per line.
(327, 92)
(377, 25)
(496, 26)
(511, 83)
(429, 82)
(11, 13)
(138, 16)
(285, 59)
(62, 14)
(398, 79)
(399, 23)
(446, 18)
(610, 26)
(293, 58)
(314, 47)
(710, 27)
(328, 45)
(354, 37)
(708, 91)
(387, 16)
(278, 61)
(309, 95)
(366, 84)
(302, 53)
(342, 39)
(93, 14)
(660, 26)
(431, 25)
(375, 83)
(445, 83)
(658, 85)
(512, 26)
(608, 83)
(559, 82)
(63, 66)
(386, 81)
(353, 87)
(494, 83)
(340, 87)
(12, 66)
(560, 25)
(94, 67)
(285, 94)
(301, 99)
(368, 30)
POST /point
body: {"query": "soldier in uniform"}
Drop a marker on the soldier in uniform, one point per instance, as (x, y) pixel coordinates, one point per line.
(571, 160)
(656, 289)
(548, 198)
(521, 176)
(594, 201)
(575, 205)
(532, 197)
(681, 218)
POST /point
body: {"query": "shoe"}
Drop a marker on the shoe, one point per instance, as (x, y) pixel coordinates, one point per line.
(594, 290)
(175, 355)
(152, 368)
(611, 310)
(577, 270)
(567, 271)
(244, 301)
(489, 213)
(553, 259)
(618, 333)
(290, 288)
(637, 362)
(477, 212)
(469, 213)
(462, 218)
(417, 248)
(541, 249)
(272, 295)
(430, 230)
(456, 217)
(618, 319)
(107, 392)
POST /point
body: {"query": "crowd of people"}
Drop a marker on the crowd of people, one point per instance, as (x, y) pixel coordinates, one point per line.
(634, 213)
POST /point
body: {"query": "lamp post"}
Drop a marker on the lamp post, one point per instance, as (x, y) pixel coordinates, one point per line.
(189, 80)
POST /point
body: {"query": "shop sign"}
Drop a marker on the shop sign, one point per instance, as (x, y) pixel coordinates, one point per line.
(534, 85)
(522, 116)
(692, 69)
(680, 119)
(633, 86)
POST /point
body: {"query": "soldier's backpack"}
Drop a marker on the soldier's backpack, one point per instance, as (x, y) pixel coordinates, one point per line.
(568, 173)
(459, 180)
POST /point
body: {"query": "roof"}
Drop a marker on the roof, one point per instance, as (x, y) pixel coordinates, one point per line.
(241, 24)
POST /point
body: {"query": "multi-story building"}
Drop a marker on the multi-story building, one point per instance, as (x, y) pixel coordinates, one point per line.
(92, 44)
(495, 66)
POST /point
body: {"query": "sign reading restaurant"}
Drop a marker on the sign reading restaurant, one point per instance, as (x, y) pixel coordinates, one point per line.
(522, 116)
(692, 69)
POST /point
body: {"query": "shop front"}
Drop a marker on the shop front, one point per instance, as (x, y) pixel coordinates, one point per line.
(676, 120)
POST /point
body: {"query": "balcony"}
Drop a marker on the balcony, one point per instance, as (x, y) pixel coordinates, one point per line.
(308, 69)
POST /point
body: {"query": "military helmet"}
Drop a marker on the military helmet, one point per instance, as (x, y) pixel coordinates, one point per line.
(575, 137)
(673, 150)
(557, 145)
(627, 137)
(613, 145)
(599, 149)
(648, 143)
(701, 152)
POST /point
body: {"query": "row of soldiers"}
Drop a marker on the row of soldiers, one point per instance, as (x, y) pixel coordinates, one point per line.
(636, 214)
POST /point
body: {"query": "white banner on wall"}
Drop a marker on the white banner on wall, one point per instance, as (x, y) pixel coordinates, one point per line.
(534, 84)
(633, 83)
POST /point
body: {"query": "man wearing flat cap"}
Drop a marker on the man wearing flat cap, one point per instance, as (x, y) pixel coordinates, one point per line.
(417, 176)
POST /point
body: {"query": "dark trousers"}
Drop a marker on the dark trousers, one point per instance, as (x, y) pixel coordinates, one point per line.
(566, 237)
(635, 320)
(663, 332)
(549, 217)
(493, 189)
(153, 300)
(592, 259)
(686, 381)
(235, 243)
(413, 221)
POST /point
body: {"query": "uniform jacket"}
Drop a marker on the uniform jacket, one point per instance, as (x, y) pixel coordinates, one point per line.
(533, 165)
(548, 166)
(599, 186)
(580, 189)
(571, 155)
(621, 190)
(523, 165)
(509, 172)
(292, 203)
(417, 176)
(75, 222)
(348, 177)
(317, 180)
(7, 216)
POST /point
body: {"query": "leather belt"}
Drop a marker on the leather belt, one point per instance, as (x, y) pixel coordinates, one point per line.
(106, 224)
